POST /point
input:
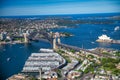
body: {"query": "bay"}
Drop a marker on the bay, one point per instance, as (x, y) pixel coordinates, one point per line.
(13, 57)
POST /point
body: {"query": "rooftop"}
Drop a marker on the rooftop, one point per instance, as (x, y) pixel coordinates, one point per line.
(46, 61)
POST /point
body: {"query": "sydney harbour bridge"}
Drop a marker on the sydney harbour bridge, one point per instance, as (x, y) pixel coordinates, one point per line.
(54, 39)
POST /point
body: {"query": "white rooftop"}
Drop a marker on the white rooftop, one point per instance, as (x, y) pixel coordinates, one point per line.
(47, 61)
(104, 37)
(46, 50)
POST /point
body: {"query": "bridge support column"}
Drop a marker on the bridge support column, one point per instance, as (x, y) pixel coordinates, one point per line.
(56, 39)
(54, 44)
(59, 40)
(25, 38)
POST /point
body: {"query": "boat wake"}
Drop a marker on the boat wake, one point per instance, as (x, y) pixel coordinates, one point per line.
(8, 59)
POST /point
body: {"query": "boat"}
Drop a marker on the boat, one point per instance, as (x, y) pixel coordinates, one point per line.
(104, 30)
(8, 59)
(92, 42)
(116, 28)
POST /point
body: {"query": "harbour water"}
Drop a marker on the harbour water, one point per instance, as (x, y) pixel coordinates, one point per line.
(13, 57)
(85, 35)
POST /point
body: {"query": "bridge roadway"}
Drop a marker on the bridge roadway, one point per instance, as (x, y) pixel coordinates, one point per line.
(50, 39)
(33, 36)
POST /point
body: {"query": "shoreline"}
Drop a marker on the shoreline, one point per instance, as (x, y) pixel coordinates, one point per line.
(19, 42)
(14, 42)
(107, 41)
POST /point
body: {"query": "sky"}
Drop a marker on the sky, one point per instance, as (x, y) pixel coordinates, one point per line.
(53, 7)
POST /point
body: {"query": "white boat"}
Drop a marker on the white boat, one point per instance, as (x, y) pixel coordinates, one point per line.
(116, 28)
(104, 30)
(8, 59)
(92, 42)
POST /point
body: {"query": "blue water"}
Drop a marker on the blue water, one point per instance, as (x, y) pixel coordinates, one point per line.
(18, 54)
(85, 36)
(65, 15)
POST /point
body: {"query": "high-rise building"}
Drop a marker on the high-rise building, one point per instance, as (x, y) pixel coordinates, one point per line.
(3, 35)
(20, 32)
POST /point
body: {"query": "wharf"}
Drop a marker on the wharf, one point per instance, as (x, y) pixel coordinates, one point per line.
(45, 61)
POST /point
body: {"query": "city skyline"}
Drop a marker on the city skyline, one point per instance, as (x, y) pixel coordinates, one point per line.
(59, 40)
(53, 7)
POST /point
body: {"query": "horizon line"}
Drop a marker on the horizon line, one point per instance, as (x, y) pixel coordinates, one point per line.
(59, 14)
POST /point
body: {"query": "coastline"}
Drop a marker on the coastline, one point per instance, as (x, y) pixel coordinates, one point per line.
(109, 41)
(19, 42)
(14, 42)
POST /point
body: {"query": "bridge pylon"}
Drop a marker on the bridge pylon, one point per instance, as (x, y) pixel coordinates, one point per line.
(59, 40)
(26, 40)
(56, 39)
(54, 42)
